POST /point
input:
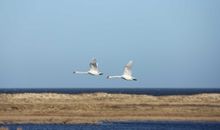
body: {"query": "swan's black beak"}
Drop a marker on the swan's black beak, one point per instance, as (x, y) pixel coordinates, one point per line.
(135, 79)
(101, 74)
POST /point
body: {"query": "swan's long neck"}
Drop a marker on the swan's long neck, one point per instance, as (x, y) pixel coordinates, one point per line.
(78, 72)
(114, 77)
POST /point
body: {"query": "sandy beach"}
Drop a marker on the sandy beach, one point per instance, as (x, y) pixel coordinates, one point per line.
(97, 107)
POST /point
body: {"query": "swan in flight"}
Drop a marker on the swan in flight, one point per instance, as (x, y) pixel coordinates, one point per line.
(127, 75)
(93, 69)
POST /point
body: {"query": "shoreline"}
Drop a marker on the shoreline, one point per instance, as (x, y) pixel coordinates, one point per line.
(159, 119)
(52, 108)
(110, 121)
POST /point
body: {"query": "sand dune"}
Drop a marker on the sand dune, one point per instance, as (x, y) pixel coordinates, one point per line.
(96, 107)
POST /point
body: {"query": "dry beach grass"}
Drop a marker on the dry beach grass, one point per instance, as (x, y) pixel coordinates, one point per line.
(92, 108)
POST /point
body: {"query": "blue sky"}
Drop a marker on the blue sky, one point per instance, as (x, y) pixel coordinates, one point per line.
(173, 44)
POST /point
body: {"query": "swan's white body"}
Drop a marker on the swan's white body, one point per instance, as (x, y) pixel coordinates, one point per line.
(93, 69)
(127, 75)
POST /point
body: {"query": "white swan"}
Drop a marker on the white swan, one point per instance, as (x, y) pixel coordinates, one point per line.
(127, 75)
(93, 69)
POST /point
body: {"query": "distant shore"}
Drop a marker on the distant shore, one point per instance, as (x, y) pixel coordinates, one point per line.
(98, 107)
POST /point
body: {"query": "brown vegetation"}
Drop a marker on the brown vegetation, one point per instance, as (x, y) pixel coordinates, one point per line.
(90, 108)
(3, 128)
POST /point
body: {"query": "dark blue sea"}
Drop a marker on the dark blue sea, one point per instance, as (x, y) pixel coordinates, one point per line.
(148, 91)
(150, 125)
(147, 125)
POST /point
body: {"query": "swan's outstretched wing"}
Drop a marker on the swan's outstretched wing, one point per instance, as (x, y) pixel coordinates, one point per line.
(93, 65)
(127, 69)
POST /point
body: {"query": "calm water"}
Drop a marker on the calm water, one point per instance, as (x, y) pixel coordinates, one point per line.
(149, 91)
(124, 126)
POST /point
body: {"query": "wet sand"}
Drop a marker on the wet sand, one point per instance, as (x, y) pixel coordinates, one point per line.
(97, 107)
